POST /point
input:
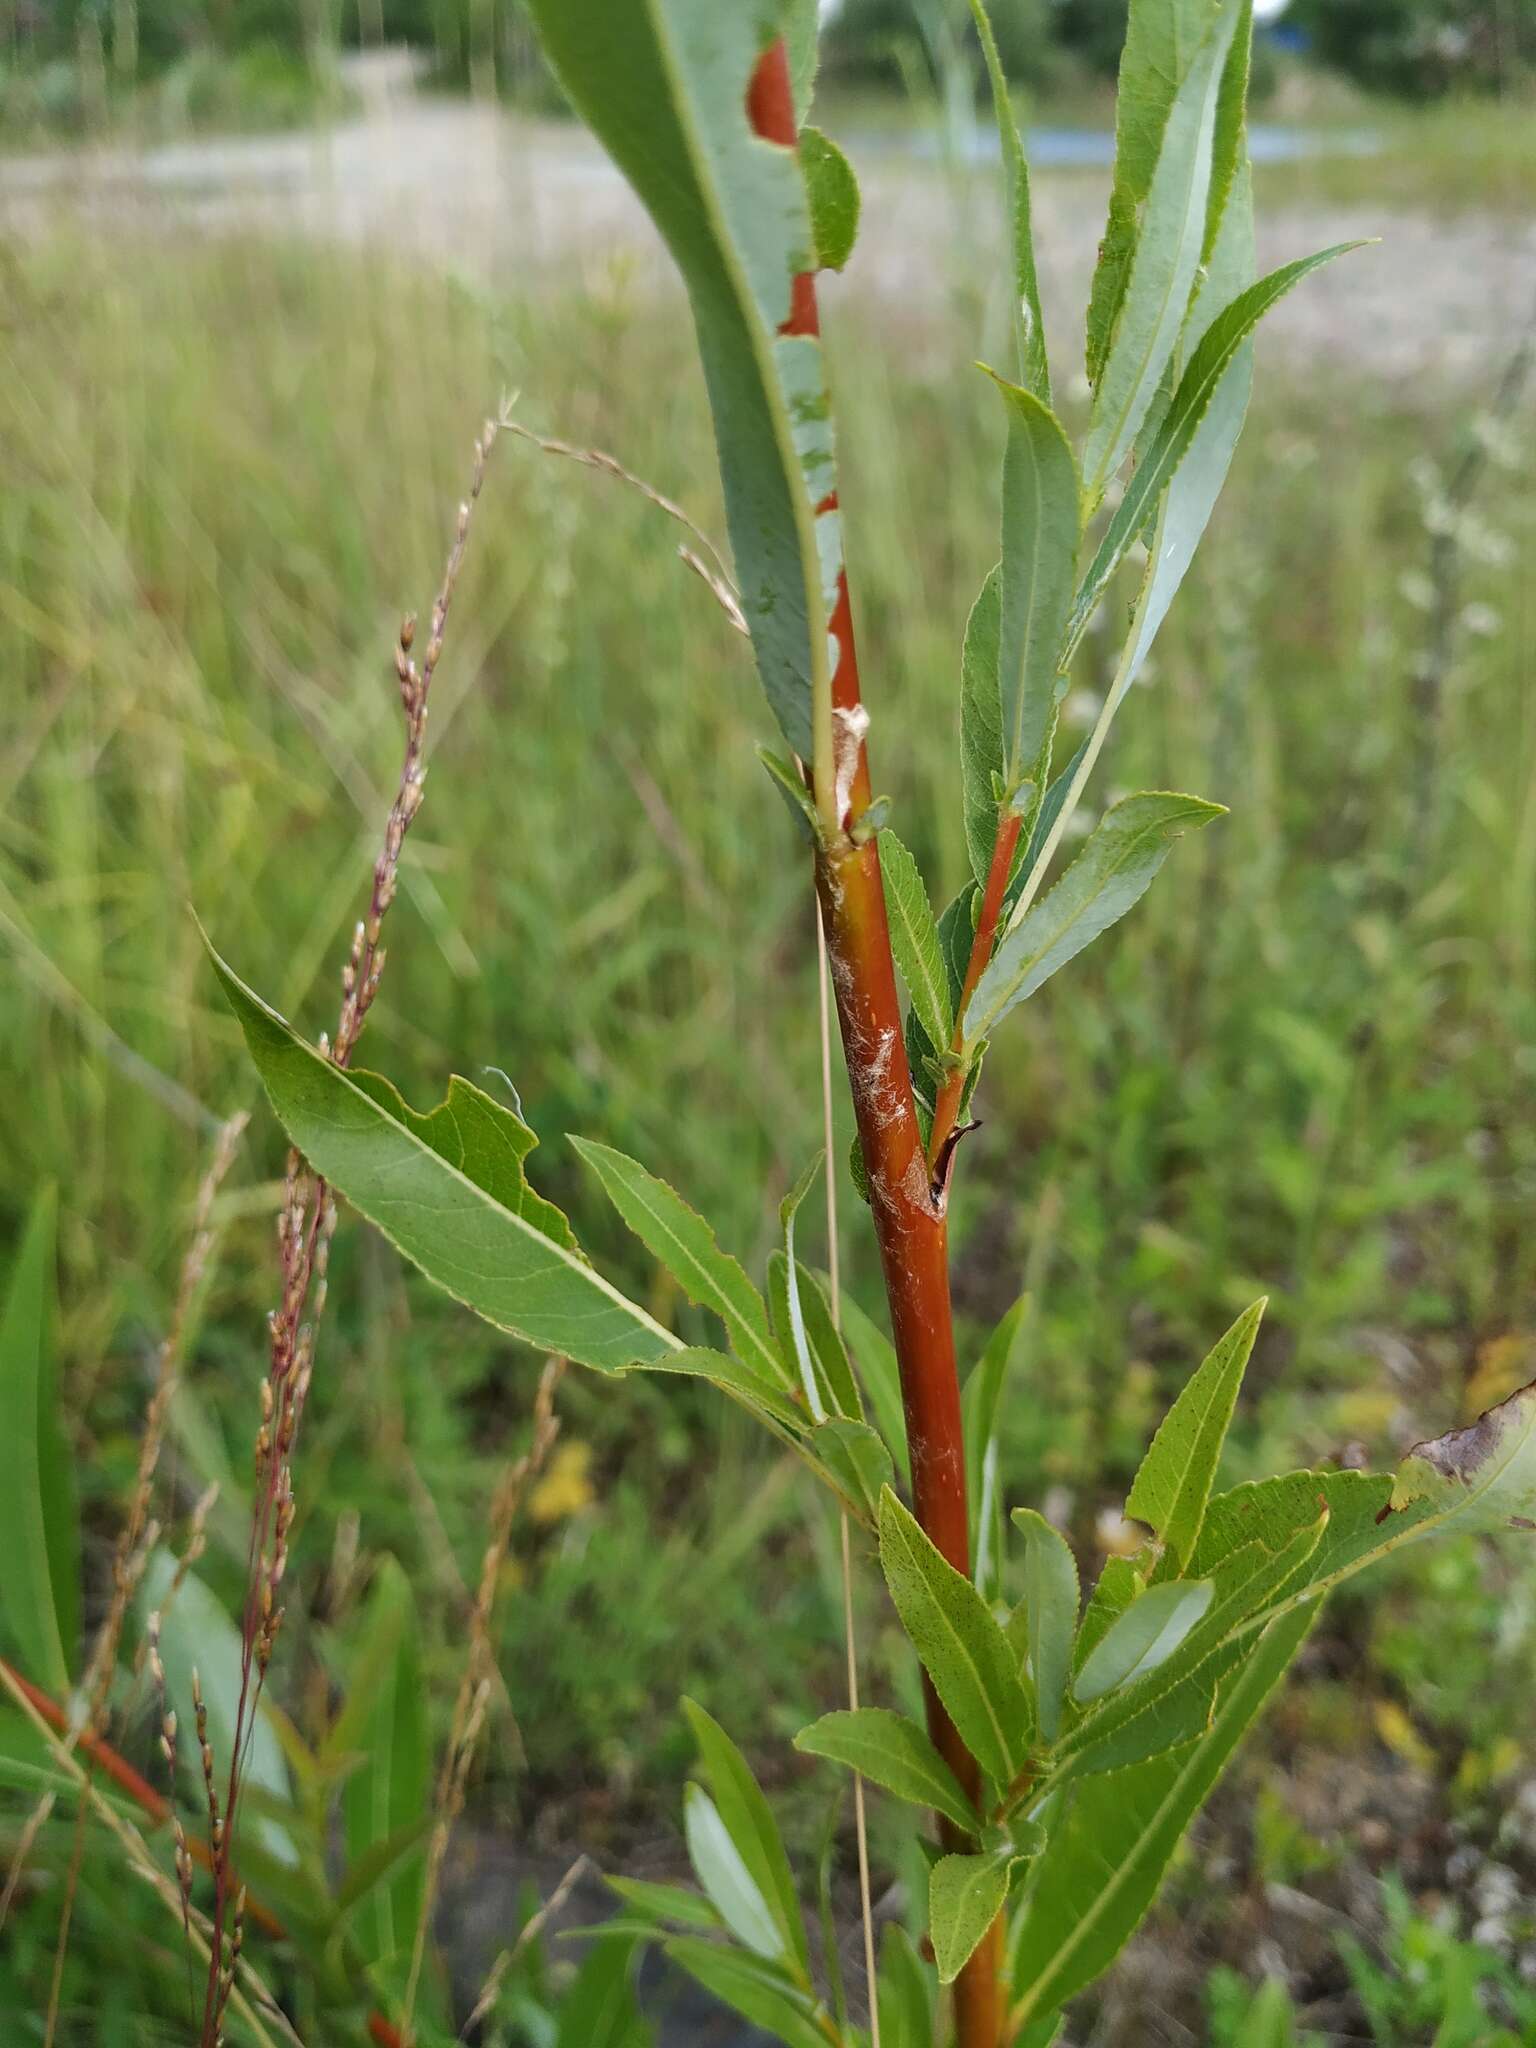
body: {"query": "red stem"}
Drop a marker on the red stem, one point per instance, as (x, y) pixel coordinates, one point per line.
(908, 1217)
(947, 1107)
(158, 1810)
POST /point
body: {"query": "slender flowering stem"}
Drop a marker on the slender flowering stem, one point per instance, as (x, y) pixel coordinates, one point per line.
(306, 1224)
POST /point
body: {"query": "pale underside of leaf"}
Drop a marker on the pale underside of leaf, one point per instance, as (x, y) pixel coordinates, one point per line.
(1109, 876)
(663, 85)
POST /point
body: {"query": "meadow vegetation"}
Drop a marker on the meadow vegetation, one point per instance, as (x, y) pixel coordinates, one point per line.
(1307, 1070)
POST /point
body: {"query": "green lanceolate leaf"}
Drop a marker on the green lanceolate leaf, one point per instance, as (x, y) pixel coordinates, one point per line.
(759, 1990)
(981, 726)
(1143, 1637)
(668, 1905)
(915, 939)
(663, 85)
(1174, 1483)
(745, 1815)
(1039, 566)
(722, 1870)
(1111, 874)
(1197, 388)
(801, 29)
(39, 1519)
(784, 1289)
(1198, 478)
(906, 1992)
(447, 1189)
(810, 1343)
(1028, 324)
(1480, 1479)
(962, 1648)
(1061, 787)
(853, 1457)
(685, 1244)
(1115, 1835)
(893, 1752)
(833, 193)
(390, 1789)
(1166, 258)
(875, 1356)
(196, 1634)
(1177, 1713)
(1162, 38)
(599, 2009)
(965, 1895)
(981, 1408)
(1155, 1705)
(1049, 1614)
(738, 1381)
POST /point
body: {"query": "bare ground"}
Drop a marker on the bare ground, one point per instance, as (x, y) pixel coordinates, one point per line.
(511, 202)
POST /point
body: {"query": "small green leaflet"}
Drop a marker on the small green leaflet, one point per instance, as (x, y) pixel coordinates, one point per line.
(893, 1752)
(761, 1991)
(746, 1818)
(1143, 1637)
(852, 1456)
(962, 1648)
(447, 1189)
(39, 1518)
(666, 1904)
(1165, 263)
(915, 940)
(1028, 323)
(1111, 874)
(685, 1244)
(772, 1408)
(981, 1404)
(875, 1356)
(1049, 1614)
(1202, 379)
(663, 86)
(1115, 1836)
(965, 1895)
(833, 192)
(1174, 1483)
(1038, 570)
(981, 726)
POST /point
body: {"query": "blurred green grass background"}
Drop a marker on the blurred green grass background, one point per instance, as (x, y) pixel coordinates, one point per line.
(1306, 1065)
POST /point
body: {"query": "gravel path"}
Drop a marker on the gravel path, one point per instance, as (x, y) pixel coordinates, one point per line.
(508, 200)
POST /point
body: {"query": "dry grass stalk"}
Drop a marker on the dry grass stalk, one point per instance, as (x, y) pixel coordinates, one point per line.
(306, 1225)
(708, 566)
(532, 1928)
(251, 1992)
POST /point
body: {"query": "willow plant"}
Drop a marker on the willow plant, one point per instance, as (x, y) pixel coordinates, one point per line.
(1069, 1742)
